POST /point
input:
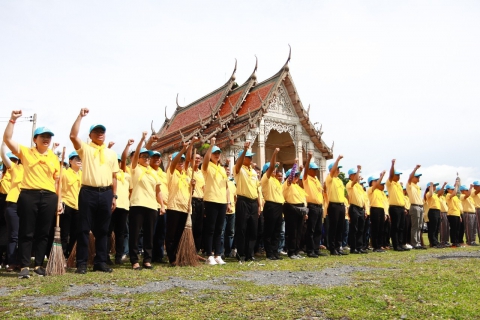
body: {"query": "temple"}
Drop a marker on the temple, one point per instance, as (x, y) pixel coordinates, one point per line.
(269, 114)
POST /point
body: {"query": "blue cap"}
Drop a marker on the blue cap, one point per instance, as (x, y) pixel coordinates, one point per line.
(313, 166)
(248, 154)
(363, 182)
(434, 184)
(301, 175)
(156, 153)
(372, 178)
(119, 157)
(265, 167)
(438, 188)
(404, 188)
(287, 174)
(144, 150)
(330, 166)
(386, 192)
(216, 149)
(382, 183)
(11, 156)
(463, 188)
(352, 171)
(418, 175)
(101, 126)
(476, 183)
(1, 166)
(41, 130)
(449, 187)
(175, 154)
(397, 172)
(72, 154)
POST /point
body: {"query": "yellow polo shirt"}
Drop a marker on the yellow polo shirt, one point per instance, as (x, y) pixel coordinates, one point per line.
(215, 183)
(414, 193)
(272, 189)
(163, 186)
(367, 203)
(40, 170)
(232, 189)
(407, 202)
(468, 204)
(294, 194)
(199, 191)
(17, 177)
(247, 182)
(376, 198)
(6, 182)
(335, 189)
(178, 191)
(124, 184)
(98, 164)
(395, 193)
(443, 204)
(314, 189)
(144, 192)
(71, 183)
(476, 199)
(454, 205)
(355, 194)
(432, 201)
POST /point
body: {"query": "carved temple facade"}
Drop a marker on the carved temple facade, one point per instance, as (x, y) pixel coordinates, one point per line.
(269, 114)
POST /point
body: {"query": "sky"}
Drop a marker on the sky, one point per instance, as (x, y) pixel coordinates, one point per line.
(386, 79)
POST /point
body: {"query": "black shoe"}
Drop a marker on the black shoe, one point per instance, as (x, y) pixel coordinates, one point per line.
(342, 253)
(363, 251)
(334, 253)
(277, 257)
(102, 267)
(109, 262)
(398, 249)
(250, 259)
(312, 255)
(118, 262)
(379, 250)
(354, 251)
(81, 270)
(272, 258)
(24, 273)
(321, 254)
(240, 259)
(40, 271)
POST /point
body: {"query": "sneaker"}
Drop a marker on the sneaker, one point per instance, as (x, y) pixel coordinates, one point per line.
(404, 247)
(474, 244)
(102, 267)
(363, 251)
(294, 257)
(40, 271)
(283, 253)
(241, 260)
(81, 270)
(24, 273)
(321, 254)
(343, 253)
(211, 261)
(219, 260)
(277, 257)
(312, 255)
(379, 250)
(407, 246)
(272, 258)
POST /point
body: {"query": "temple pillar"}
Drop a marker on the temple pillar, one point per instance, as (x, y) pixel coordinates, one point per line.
(261, 144)
(298, 137)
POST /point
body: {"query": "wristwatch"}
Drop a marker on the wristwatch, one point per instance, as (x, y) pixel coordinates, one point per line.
(115, 196)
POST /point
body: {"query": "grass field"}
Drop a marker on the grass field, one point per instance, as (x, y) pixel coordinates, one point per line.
(419, 284)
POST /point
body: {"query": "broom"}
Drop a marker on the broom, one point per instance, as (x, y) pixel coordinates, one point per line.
(71, 257)
(112, 243)
(71, 261)
(56, 260)
(186, 252)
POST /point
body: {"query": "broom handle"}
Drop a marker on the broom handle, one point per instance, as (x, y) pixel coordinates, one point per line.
(59, 187)
(191, 178)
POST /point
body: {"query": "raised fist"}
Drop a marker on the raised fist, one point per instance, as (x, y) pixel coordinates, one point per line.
(84, 112)
(212, 141)
(340, 157)
(154, 138)
(359, 167)
(144, 135)
(110, 144)
(417, 166)
(310, 154)
(130, 142)
(393, 161)
(277, 150)
(16, 114)
(56, 145)
(246, 145)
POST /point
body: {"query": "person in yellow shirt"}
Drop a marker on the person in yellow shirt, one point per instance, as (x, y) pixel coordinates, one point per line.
(444, 225)
(377, 211)
(228, 231)
(15, 169)
(69, 220)
(396, 208)
(476, 199)
(37, 202)
(432, 202)
(336, 208)
(248, 206)
(416, 208)
(98, 194)
(469, 217)
(453, 214)
(356, 211)
(272, 211)
(217, 202)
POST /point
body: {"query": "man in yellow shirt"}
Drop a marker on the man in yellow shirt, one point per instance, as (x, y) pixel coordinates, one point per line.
(336, 208)
(377, 211)
(476, 199)
(97, 198)
(470, 219)
(396, 208)
(416, 208)
(228, 231)
(453, 214)
(356, 211)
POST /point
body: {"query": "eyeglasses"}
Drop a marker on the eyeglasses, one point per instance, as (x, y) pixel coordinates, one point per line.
(76, 159)
(144, 157)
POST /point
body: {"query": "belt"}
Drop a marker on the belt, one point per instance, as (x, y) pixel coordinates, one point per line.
(197, 199)
(246, 199)
(98, 189)
(470, 212)
(314, 204)
(273, 202)
(417, 205)
(355, 206)
(336, 203)
(395, 206)
(35, 191)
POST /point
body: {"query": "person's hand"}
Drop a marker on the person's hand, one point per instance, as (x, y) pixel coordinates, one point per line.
(259, 211)
(56, 145)
(144, 135)
(192, 183)
(229, 207)
(154, 138)
(212, 141)
(114, 204)
(84, 112)
(162, 210)
(16, 114)
(185, 145)
(246, 145)
(130, 142)
(170, 157)
(417, 166)
(359, 168)
(111, 144)
(393, 161)
(310, 154)
(60, 208)
(340, 157)
(276, 150)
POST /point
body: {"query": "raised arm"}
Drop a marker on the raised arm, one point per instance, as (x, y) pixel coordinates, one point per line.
(335, 165)
(307, 165)
(189, 157)
(8, 134)
(55, 145)
(356, 177)
(153, 138)
(410, 178)
(430, 190)
(469, 192)
(123, 164)
(239, 163)
(208, 155)
(111, 144)
(177, 158)
(442, 190)
(77, 142)
(378, 182)
(272, 163)
(392, 171)
(5, 159)
(137, 151)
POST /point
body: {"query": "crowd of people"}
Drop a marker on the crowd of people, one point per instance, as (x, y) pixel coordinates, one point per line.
(241, 214)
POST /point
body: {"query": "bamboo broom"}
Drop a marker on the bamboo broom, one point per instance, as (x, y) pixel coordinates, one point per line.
(56, 260)
(186, 252)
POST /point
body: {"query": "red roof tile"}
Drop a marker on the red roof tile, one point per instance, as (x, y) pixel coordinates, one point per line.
(226, 108)
(253, 102)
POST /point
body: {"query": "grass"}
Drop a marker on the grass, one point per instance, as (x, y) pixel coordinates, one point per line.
(399, 286)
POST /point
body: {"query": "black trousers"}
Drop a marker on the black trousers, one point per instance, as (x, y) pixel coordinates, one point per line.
(212, 229)
(357, 225)
(69, 222)
(377, 219)
(408, 228)
(36, 210)
(293, 228)
(3, 228)
(397, 219)
(336, 217)
(159, 238)
(12, 220)
(272, 214)
(246, 226)
(261, 227)
(175, 225)
(313, 233)
(454, 222)
(198, 212)
(141, 218)
(433, 226)
(461, 231)
(95, 209)
(118, 224)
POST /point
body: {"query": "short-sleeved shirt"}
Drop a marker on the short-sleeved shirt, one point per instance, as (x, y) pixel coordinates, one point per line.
(272, 189)
(367, 203)
(178, 191)
(232, 189)
(314, 190)
(6, 182)
(468, 204)
(454, 205)
(443, 204)
(407, 202)
(199, 191)
(294, 194)
(376, 198)
(16, 182)
(335, 189)
(71, 183)
(163, 186)
(40, 170)
(395, 193)
(247, 182)
(476, 198)
(355, 194)
(215, 183)
(433, 201)
(124, 184)
(144, 192)
(97, 169)
(414, 193)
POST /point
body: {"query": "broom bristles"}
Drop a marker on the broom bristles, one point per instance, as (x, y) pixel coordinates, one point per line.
(91, 249)
(112, 243)
(186, 253)
(71, 258)
(56, 260)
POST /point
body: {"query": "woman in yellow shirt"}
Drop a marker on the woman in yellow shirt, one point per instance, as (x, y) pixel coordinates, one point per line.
(37, 202)
(453, 214)
(216, 199)
(432, 202)
(377, 211)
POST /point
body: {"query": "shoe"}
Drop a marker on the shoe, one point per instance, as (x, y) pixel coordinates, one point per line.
(405, 248)
(118, 262)
(323, 247)
(334, 253)
(354, 251)
(24, 273)
(363, 251)
(9, 268)
(102, 267)
(137, 268)
(474, 244)
(379, 250)
(312, 255)
(277, 257)
(439, 246)
(241, 260)
(109, 262)
(342, 253)
(81, 270)
(219, 260)
(40, 271)
(300, 256)
(150, 267)
(420, 248)
(345, 248)
(211, 261)
(447, 244)
(294, 257)
(398, 249)
(272, 258)
(283, 253)
(321, 254)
